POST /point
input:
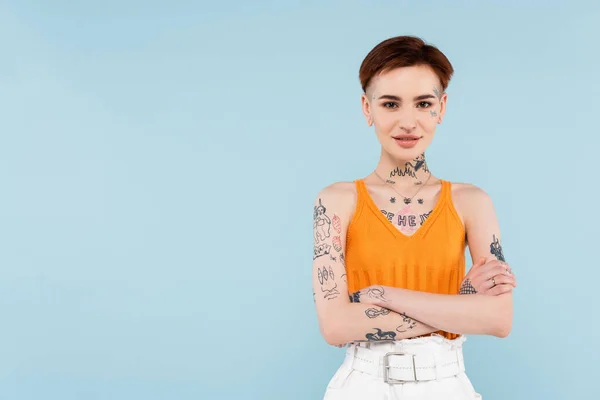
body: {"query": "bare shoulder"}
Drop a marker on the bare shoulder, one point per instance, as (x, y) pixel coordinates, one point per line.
(468, 192)
(340, 196)
(468, 198)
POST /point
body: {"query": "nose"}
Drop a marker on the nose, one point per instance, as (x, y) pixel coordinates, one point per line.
(407, 121)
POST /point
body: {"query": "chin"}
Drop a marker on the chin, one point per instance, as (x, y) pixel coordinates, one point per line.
(405, 154)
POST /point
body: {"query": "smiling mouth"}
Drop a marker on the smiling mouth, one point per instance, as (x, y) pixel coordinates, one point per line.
(406, 138)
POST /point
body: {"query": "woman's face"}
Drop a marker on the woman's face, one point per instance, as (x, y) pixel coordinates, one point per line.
(405, 101)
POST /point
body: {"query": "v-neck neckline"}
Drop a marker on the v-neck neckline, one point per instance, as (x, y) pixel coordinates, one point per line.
(433, 214)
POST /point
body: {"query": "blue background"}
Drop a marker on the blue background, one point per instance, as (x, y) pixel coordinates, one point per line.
(159, 160)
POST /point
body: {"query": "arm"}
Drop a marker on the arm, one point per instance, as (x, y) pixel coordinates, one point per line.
(470, 314)
(340, 320)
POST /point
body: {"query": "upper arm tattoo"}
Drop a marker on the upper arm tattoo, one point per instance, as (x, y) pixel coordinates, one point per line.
(496, 249)
(324, 234)
(321, 224)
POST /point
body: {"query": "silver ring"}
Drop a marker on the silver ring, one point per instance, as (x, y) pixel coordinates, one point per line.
(494, 282)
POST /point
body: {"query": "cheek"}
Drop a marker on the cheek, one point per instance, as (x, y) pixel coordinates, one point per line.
(428, 119)
(384, 120)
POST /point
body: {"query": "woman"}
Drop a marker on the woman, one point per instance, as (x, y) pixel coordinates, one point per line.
(395, 240)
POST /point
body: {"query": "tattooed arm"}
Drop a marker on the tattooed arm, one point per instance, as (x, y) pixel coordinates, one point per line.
(342, 319)
(466, 314)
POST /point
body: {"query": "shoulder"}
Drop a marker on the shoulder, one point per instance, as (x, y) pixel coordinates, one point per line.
(340, 196)
(469, 192)
(470, 199)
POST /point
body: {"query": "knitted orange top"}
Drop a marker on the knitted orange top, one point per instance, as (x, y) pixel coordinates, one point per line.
(432, 259)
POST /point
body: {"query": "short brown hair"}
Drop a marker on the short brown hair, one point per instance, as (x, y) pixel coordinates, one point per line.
(404, 51)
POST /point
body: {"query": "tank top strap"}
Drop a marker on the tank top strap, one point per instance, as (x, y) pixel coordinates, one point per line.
(361, 188)
(445, 194)
(361, 195)
(361, 192)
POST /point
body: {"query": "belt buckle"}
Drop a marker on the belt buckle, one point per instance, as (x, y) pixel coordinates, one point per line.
(386, 368)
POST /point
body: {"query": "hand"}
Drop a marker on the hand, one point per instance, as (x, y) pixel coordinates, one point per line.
(492, 278)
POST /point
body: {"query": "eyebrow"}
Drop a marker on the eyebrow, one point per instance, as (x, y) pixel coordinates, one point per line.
(396, 98)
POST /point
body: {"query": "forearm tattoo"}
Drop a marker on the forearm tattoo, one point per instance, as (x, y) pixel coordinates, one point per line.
(374, 312)
(409, 323)
(376, 293)
(380, 335)
(328, 286)
(372, 292)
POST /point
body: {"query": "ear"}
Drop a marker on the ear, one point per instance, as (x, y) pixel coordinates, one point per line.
(443, 102)
(366, 108)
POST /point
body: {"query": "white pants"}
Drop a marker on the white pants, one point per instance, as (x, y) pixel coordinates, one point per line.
(351, 384)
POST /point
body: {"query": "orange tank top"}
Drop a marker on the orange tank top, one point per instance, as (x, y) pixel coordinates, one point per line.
(432, 259)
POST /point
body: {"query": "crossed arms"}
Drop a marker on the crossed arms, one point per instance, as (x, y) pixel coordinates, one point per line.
(387, 313)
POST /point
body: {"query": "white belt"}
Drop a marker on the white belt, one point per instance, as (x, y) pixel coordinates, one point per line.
(399, 367)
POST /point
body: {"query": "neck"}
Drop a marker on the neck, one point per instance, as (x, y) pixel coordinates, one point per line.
(402, 172)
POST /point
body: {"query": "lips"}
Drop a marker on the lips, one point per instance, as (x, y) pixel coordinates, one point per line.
(407, 141)
(407, 137)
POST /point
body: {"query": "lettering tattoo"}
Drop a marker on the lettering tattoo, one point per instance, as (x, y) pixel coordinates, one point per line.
(374, 312)
(321, 224)
(424, 216)
(389, 215)
(380, 335)
(496, 249)
(407, 220)
(467, 287)
(328, 286)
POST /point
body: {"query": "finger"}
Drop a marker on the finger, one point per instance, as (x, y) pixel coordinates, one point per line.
(505, 279)
(499, 289)
(500, 279)
(489, 273)
(479, 263)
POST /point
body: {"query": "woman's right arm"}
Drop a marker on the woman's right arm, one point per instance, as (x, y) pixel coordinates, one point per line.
(340, 320)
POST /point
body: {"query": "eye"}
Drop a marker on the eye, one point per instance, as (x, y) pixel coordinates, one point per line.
(385, 105)
(428, 104)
